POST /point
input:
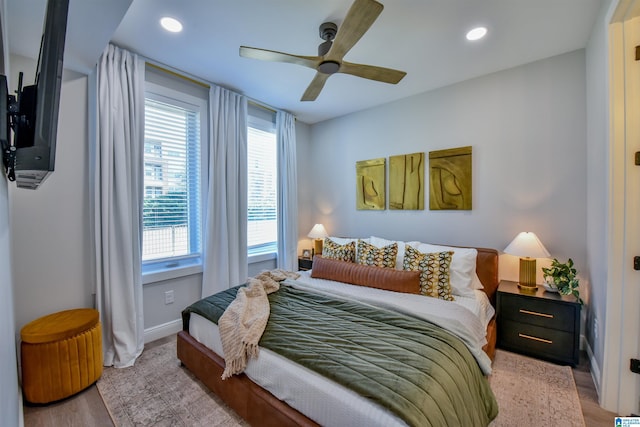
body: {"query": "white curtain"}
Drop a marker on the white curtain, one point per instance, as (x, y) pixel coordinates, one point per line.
(225, 238)
(116, 197)
(287, 192)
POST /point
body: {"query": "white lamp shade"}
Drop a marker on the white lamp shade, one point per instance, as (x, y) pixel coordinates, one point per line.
(527, 245)
(318, 232)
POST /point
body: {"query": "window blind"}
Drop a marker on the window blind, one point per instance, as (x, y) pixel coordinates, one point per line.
(171, 211)
(262, 227)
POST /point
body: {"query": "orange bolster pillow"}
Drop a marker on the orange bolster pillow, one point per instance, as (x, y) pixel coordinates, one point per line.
(366, 275)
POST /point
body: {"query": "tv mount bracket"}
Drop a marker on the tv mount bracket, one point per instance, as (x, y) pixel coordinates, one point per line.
(14, 117)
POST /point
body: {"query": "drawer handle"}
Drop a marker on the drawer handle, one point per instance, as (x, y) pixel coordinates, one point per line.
(535, 313)
(535, 338)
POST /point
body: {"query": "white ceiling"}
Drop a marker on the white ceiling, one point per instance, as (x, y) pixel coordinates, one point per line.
(425, 38)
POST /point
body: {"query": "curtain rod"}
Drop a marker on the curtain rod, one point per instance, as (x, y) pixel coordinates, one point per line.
(177, 74)
(199, 82)
(260, 105)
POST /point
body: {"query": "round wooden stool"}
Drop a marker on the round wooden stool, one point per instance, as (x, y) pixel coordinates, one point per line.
(61, 354)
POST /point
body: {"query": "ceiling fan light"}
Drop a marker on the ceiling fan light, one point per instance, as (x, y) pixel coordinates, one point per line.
(171, 24)
(476, 33)
(329, 67)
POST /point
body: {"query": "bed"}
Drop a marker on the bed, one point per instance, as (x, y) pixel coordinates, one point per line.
(258, 404)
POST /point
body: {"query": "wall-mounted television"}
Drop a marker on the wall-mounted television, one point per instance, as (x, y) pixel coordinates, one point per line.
(33, 114)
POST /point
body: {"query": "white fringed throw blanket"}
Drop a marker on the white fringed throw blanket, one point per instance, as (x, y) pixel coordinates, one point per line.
(243, 322)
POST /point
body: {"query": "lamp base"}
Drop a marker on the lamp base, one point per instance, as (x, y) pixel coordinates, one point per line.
(317, 246)
(527, 289)
(527, 279)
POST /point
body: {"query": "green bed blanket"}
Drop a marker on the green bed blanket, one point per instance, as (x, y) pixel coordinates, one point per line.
(415, 369)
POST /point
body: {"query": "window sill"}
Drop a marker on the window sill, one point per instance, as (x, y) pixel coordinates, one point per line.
(261, 257)
(161, 274)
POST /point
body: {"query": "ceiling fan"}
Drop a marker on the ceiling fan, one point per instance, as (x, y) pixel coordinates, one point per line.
(359, 19)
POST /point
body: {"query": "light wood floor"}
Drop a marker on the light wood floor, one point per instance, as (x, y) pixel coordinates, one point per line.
(594, 415)
(86, 409)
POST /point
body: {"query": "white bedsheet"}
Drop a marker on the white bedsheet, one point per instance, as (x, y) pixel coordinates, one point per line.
(327, 402)
(322, 400)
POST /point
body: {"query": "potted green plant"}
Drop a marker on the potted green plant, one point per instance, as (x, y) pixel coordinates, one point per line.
(562, 276)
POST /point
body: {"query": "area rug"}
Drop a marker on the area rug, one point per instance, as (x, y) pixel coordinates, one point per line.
(157, 391)
(531, 392)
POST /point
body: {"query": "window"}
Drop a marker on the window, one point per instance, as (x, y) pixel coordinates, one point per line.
(172, 179)
(262, 179)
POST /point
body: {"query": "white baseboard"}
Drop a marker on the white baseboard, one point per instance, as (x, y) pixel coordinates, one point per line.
(593, 368)
(160, 331)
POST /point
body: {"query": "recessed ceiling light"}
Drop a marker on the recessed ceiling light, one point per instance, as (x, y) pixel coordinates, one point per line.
(477, 33)
(171, 24)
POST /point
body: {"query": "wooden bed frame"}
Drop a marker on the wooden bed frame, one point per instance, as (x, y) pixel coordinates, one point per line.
(259, 407)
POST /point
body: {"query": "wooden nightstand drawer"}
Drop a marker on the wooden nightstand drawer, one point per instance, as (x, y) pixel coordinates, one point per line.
(545, 325)
(537, 341)
(304, 264)
(538, 312)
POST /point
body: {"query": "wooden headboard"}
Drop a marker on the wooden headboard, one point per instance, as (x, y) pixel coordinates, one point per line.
(487, 270)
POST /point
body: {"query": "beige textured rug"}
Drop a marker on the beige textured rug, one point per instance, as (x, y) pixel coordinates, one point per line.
(531, 392)
(158, 392)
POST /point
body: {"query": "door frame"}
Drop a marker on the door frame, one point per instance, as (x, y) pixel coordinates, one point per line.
(620, 389)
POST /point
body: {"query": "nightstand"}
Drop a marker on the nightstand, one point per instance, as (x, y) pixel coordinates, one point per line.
(544, 324)
(304, 263)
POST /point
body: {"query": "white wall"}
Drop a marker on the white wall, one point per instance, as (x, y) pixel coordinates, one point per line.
(527, 127)
(186, 290)
(10, 401)
(597, 77)
(51, 245)
(306, 185)
(9, 393)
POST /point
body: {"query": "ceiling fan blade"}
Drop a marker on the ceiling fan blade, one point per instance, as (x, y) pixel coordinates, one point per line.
(359, 19)
(315, 87)
(274, 56)
(371, 72)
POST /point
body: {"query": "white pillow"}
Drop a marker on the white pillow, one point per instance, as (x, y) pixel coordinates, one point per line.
(343, 240)
(477, 284)
(379, 242)
(462, 269)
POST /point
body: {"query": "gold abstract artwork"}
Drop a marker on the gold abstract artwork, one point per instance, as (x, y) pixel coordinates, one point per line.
(370, 184)
(406, 182)
(450, 179)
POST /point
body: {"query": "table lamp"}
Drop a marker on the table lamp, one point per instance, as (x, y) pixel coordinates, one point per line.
(318, 233)
(528, 247)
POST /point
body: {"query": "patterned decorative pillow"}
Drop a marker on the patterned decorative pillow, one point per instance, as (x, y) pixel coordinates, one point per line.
(369, 254)
(462, 268)
(434, 271)
(332, 250)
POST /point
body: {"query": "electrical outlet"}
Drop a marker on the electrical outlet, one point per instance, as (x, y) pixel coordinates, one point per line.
(168, 297)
